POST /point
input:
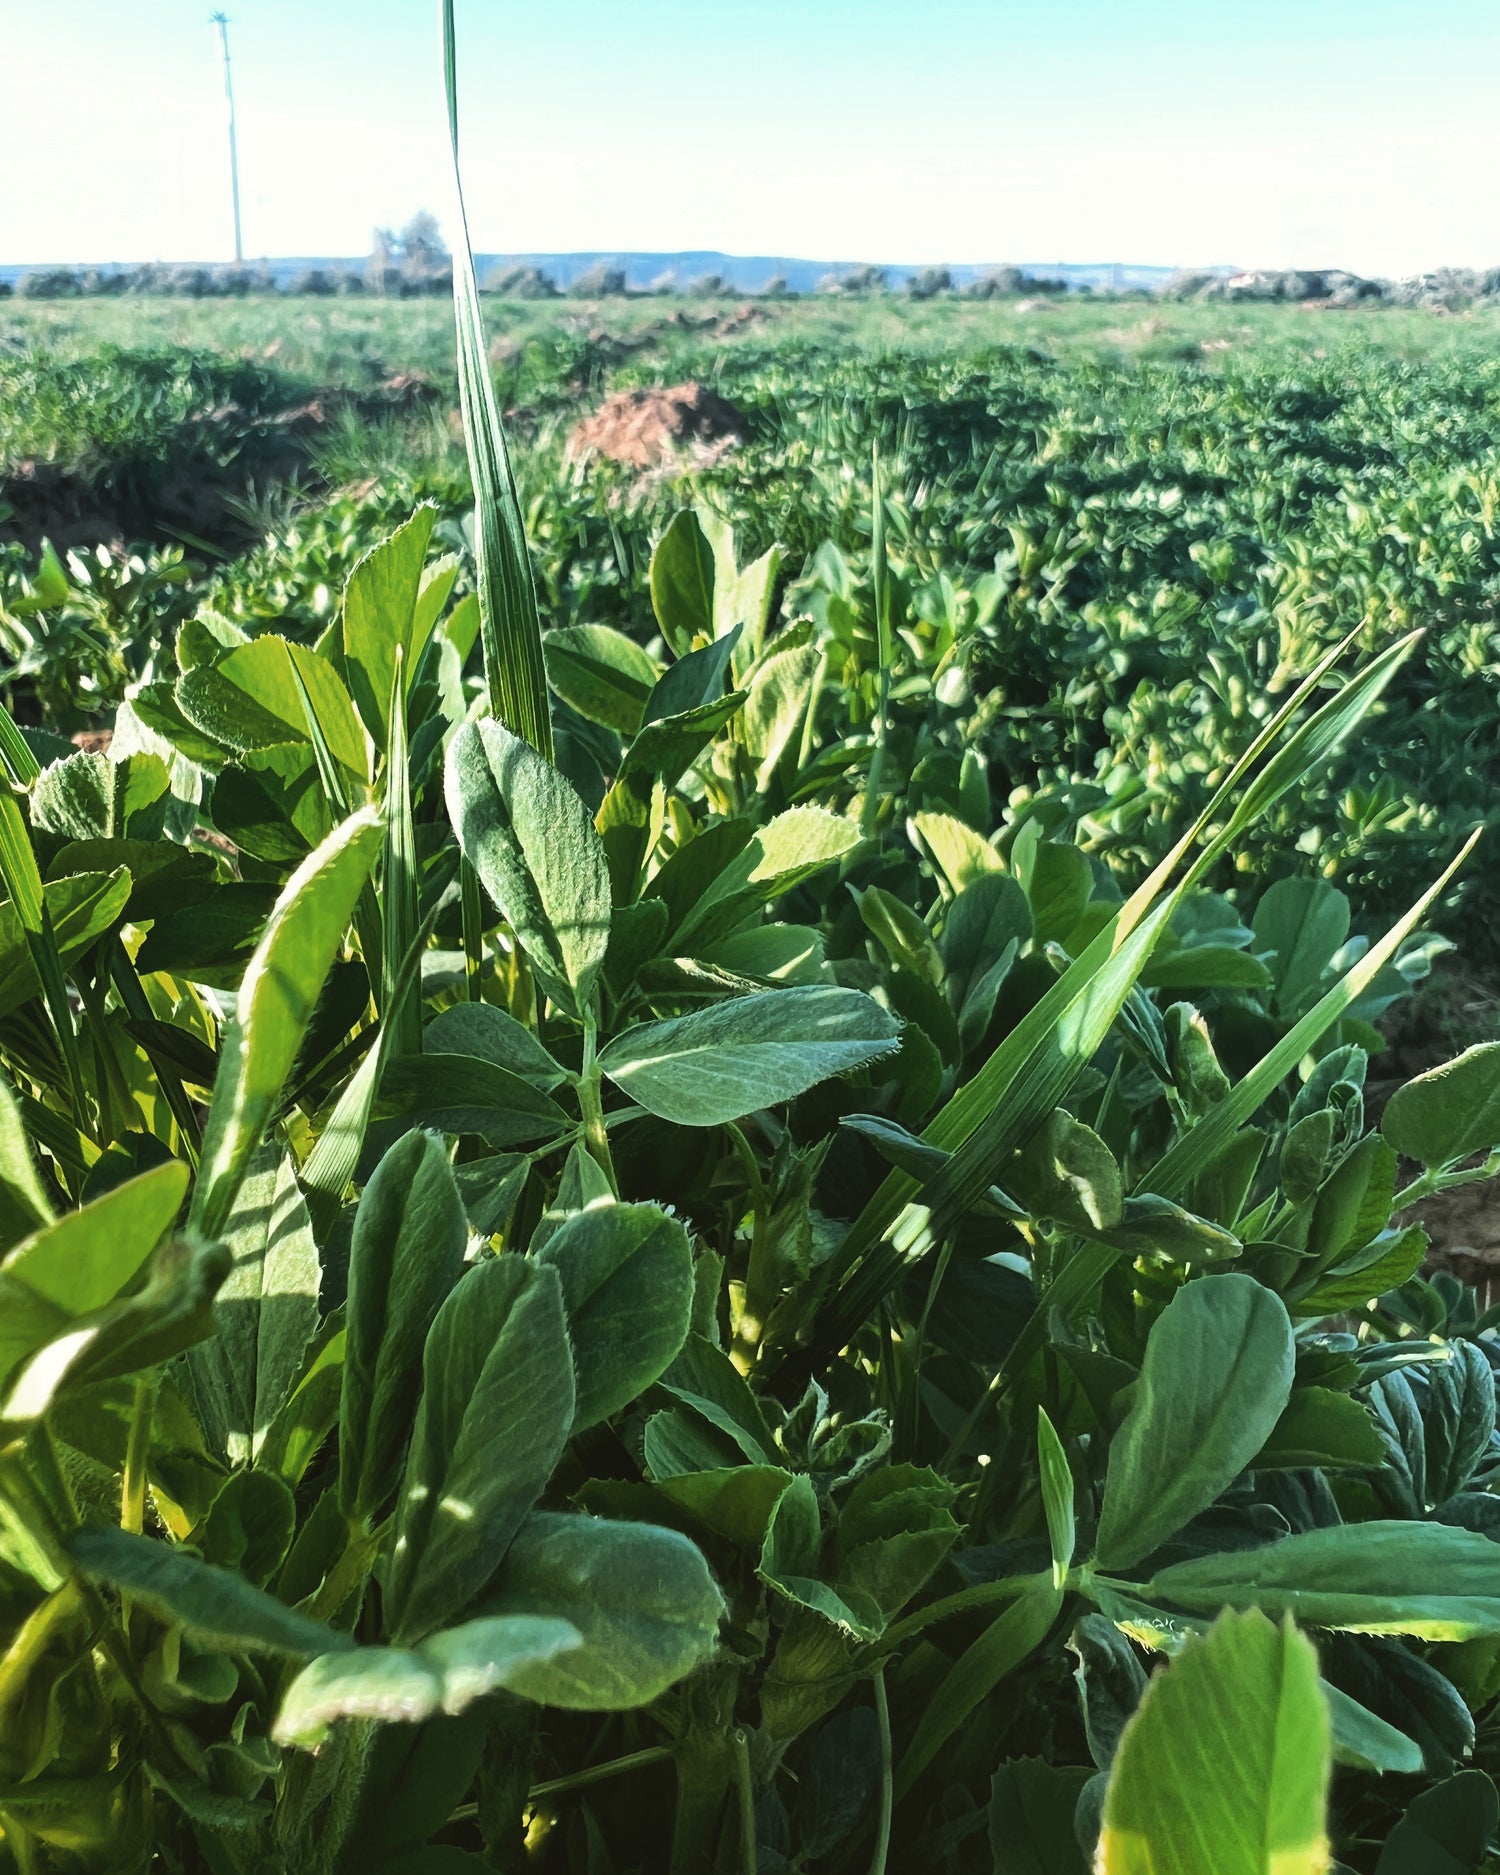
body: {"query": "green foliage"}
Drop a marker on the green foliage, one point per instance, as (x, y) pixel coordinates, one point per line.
(1174, 1790)
(697, 1265)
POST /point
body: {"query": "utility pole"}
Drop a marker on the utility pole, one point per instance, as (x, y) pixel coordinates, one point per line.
(221, 20)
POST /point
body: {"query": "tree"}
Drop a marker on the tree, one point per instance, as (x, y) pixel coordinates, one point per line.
(929, 283)
(413, 259)
(601, 281)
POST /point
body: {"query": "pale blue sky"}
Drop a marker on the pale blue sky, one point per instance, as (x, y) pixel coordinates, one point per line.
(1360, 133)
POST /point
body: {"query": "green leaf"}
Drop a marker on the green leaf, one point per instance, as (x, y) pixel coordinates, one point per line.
(641, 1597)
(443, 1674)
(215, 1606)
(1380, 1266)
(1324, 1428)
(1008, 1640)
(1226, 1762)
(90, 797)
(407, 1254)
(24, 1204)
(668, 745)
(299, 1429)
(275, 1002)
(783, 853)
(1447, 1830)
(1198, 1149)
(682, 583)
(266, 1313)
(1458, 1418)
(257, 696)
(736, 1057)
(601, 673)
(1216, 1378)
(583, 1186)
(1058, 882)
(790, 1563)
(1366, 1741)
(249, 1526)
(1057, 1496)
(1206, 967)
(1039, 1059)
(959, 854)
(496, 1410)
(1304, 922)
(489, 1033)
(1065, 1171)
(468, 1094)
(380, 617)
(894, 1529)
(75, 1266)
(1031, 1812)
(79, 909)
(695, 682)
(1427, 1579)
(532, 841)
(777, 705)
(627, 1280)
(1450, 1112)
(734, 1501)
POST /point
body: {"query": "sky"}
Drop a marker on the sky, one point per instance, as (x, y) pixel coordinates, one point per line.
(1353, 133)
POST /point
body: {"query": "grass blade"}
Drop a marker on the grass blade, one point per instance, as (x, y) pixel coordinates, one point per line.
(509, 626)
(1175, 1171)
(23, 883)
(1033, 1067)
(881, 574)
(400, 881)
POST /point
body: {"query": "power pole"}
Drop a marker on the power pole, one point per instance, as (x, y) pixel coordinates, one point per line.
(221, 20)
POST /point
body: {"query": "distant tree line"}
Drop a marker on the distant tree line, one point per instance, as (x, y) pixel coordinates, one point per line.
(414, 261)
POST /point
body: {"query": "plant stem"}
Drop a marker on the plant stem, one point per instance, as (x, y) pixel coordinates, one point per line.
(591, 1102)
(597, 1773)
(346, 1574)
(133, 998)
(137, 1446)
(745, 1787)
(33, 1639)
(472, 911)
(887, 1791)
(760, 1273)
(22, 1844)
(579, 1780)
(880, 574)
(964, 1602)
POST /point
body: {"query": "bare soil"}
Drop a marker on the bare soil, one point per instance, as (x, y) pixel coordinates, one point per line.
(646, 428)
(1457, 1007)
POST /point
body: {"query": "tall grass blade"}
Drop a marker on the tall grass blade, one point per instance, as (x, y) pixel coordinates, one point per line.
(1175, 1171)
(400, 880)
(23, 883)
(510, 628)
(1033, 1067)
(15, 750)
(881, 575)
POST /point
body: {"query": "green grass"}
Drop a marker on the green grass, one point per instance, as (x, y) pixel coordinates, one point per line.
(354, 341)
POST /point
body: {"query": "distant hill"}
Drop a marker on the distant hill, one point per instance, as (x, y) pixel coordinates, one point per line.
(745, 273)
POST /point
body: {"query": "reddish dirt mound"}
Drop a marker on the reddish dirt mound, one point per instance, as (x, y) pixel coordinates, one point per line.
(749, 314)
(646, 428)
(408, 390)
